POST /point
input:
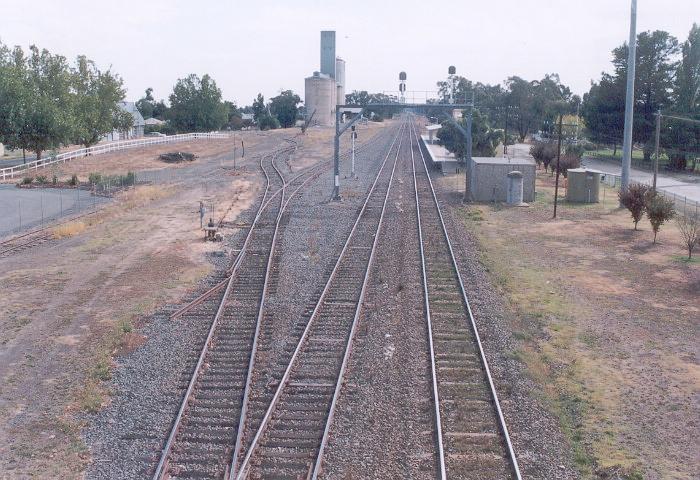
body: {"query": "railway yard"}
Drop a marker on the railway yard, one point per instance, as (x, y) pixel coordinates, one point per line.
(362, 338)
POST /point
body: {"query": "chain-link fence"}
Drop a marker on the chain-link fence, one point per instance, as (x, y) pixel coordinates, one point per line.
(684, 205)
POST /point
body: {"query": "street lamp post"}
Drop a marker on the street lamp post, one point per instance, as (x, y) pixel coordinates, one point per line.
(629, 100)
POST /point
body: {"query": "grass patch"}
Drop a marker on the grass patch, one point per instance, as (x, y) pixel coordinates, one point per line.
(557, 354)
(91, 397)
(69, 229)
(685, 259)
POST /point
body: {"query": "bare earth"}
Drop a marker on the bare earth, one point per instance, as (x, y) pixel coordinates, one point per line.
(608, 324)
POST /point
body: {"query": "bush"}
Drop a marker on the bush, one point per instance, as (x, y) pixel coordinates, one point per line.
(689, 226)
(41, 179)
(27, 180)
(73, 180)
(95, 178)
(566, 162)
(55, 180)
(634, 199)
(575, 150)
(543, 153)
(659, 210)
(268, 122)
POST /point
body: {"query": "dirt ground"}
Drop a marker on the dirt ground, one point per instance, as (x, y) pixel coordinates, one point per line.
(71, 304)
(608, 324)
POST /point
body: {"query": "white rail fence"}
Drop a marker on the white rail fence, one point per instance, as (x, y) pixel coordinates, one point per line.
(12, 172)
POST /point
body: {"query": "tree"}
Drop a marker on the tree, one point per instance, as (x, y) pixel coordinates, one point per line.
(149, 108)
(659, 210)
(654, 78)
(196, 105)
(268, 122)
(235, 118)
(689, 226)
(96, 112)
(543, 153)
(284, 107)
(485, 138)
(681, 137)
(36, 110)
(259, 108)
(634, 199)
(603, 110)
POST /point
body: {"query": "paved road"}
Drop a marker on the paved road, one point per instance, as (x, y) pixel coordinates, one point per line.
(681, 184)
(685, 185)
(20, 206)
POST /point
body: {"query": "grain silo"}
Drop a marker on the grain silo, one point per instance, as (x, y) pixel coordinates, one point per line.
(320, 97)
(340, 80)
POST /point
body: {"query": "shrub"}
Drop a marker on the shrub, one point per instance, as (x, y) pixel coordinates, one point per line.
(94, 178)
(689, 226)
(543, 153)
(41, 179)
(566, 162)
(575, 150)
(27, 180)
(73, 180)
(659, 210)
(634, 199)
(54, 180)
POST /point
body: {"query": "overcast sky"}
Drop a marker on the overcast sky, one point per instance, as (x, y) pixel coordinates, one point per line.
(266, 46)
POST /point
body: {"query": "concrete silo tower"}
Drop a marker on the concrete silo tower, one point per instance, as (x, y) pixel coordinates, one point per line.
(340, 80)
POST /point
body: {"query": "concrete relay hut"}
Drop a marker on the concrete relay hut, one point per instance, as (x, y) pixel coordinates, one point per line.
(488, 178)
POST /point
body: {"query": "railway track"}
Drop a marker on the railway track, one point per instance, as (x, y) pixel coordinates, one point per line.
(284, 437)
(202, 436)
(472, 436)
(200, 439)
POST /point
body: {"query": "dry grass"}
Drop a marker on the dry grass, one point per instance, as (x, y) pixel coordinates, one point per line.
(624, 405)
(69, 229)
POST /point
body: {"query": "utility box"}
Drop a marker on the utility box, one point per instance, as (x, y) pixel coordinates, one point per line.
(583, 185)
(514, 195)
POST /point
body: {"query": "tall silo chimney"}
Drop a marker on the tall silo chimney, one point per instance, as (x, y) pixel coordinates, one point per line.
(328, 52)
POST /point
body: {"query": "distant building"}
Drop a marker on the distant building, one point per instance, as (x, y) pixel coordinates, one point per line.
(136, 131)
(153, 122)
(247, 116)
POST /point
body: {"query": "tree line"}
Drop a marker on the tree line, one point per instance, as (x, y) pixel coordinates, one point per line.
(46, 102)
(667, 79)
(197, 105)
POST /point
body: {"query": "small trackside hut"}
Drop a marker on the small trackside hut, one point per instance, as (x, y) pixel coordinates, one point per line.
(488, 179)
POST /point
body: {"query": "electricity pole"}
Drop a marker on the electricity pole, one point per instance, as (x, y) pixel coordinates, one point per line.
(629, 100)
(556, 182)
(656, 156)
(468, 165)
(505, 134)
(353, 136)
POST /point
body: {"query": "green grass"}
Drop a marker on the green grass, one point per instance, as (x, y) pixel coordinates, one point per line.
(685, 259)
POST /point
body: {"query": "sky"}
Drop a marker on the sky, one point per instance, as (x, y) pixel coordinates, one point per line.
(272, 45)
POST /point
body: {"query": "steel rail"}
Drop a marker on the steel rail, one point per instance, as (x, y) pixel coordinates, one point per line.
(261, 310)
(492, 388)
(426, 303)
(161, 468)
(256, 439)
(358, 311)
(239, 258)
(310, 170)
